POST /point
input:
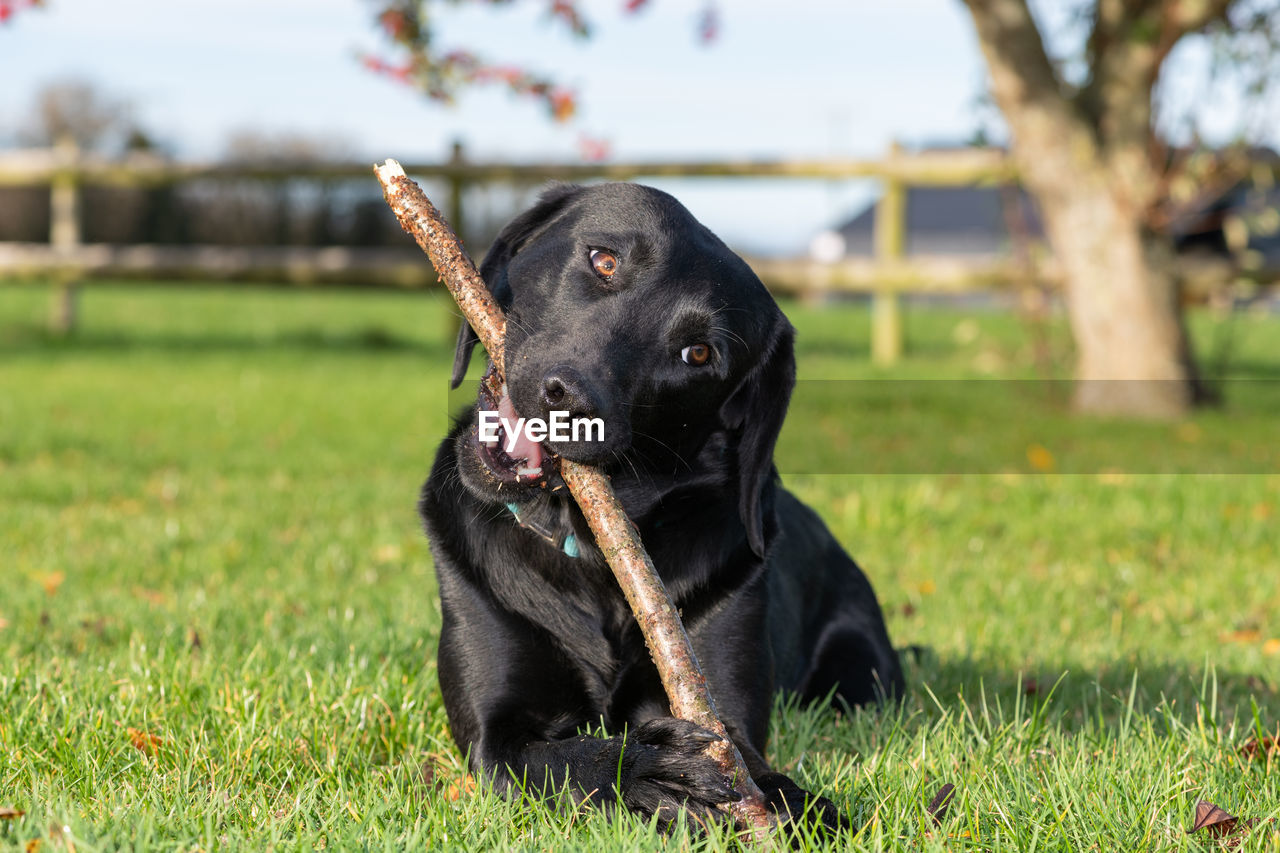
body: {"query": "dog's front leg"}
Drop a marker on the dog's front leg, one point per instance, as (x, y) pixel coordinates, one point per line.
(516, 705)
(656, 769)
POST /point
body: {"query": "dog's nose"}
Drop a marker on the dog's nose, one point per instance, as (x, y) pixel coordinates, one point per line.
(552, 390)
(564, 389)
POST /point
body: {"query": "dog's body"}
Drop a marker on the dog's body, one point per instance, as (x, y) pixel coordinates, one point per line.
(621, 306)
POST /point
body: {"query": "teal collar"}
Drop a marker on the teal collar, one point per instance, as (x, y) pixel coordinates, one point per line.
(569, 544)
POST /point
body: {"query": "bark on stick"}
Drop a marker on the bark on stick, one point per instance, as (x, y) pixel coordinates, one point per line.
(616, 537)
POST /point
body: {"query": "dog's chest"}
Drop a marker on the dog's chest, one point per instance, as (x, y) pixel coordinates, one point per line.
(604, 647)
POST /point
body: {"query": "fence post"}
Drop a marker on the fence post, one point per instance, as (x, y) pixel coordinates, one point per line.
(64, 235)
(890, 249)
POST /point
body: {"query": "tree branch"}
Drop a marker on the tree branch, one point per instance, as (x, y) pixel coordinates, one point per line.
(1021, 72)
(1183, 17)
(1113, 21)
(1052, 138)
(616, 537)
(1127, 48)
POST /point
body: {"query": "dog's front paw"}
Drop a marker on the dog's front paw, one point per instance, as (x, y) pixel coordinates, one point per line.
(665, 768)
(804, 810)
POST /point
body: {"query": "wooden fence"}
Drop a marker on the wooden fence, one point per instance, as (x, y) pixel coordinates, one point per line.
(68, 262)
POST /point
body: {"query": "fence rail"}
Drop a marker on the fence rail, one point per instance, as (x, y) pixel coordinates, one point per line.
(68, 262)
(409, 269)
(937, 168)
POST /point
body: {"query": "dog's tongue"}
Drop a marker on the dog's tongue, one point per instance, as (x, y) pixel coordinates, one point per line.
(524, 448)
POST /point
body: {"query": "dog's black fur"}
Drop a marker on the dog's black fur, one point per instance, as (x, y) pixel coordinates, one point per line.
(537, 645)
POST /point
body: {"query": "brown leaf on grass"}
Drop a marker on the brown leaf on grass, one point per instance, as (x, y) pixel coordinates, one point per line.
(437, 768)
(1245, 635)
(1216, 822)
(445, 776)
(1041, 458)
(193, 640)
(1213, 819)
(10, 813)
(938, 805)
(31, 846)
(1261, 749)
(153, 596)
(144, 741)
(460, 788)
(52, 581)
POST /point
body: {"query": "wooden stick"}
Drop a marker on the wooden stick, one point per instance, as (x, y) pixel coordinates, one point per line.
(616, 537)
(421, 221)
(664, 634)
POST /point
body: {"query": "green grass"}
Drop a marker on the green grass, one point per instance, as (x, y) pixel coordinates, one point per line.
(209, 536)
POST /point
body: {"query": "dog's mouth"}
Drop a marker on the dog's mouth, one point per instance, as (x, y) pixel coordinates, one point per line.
(512, 457)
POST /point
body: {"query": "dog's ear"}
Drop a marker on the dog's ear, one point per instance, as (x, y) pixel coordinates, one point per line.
(756, 410)
(493, 269)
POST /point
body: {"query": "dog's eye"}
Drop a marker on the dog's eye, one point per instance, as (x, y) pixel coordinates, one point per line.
(604, 262)
(697, 354)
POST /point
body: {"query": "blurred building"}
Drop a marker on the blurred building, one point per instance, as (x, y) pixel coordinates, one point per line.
(985, 223)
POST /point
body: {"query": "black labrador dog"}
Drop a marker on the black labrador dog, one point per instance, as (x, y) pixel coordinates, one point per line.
(624, 311)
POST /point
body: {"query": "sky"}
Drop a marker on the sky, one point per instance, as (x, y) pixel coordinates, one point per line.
(822, 78)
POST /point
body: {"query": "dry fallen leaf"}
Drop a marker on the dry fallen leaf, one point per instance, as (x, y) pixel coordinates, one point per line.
(1041, 458)
(52, 581)
(10, 813)
(1261, 749)
(154, 596)
(1246, 635)
(938, 806)
(31, 846)
(1216, 822)
(461, 787)
(1270, 647)
(1213, 819)
(144, 741)
(441, 773)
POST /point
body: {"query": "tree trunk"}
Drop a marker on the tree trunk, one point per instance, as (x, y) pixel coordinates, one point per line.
(1133, 356)
(1089, 160)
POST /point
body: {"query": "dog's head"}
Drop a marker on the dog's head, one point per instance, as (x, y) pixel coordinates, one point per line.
(622, 307)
